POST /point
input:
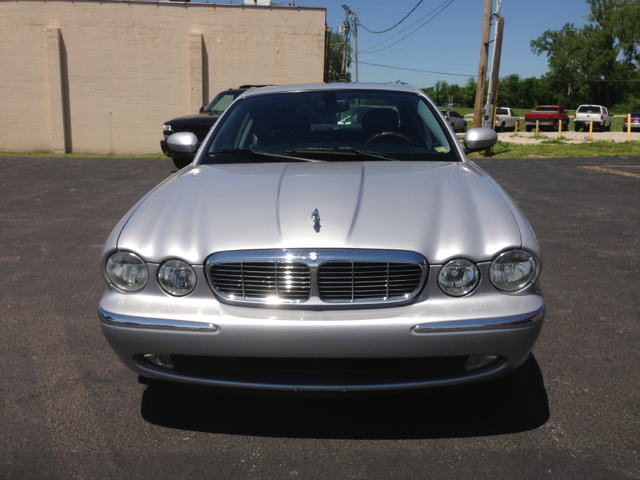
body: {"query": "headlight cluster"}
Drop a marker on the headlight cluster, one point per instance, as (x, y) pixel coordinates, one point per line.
(129, 273)
(510, 271)
(167, 129)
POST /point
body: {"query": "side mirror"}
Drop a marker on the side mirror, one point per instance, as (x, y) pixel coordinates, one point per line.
(183, 142)
(478, 139)
(202, 108)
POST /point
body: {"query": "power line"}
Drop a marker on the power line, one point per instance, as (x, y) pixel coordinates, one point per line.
(409, 27)
(408, 35)
(383, 31)
(465, 75)
(444, 63)
(417, 70)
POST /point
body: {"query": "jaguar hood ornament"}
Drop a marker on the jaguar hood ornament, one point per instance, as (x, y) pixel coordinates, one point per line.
(315, 218)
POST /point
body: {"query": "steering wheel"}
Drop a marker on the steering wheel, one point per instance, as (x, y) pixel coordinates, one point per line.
(395, 134)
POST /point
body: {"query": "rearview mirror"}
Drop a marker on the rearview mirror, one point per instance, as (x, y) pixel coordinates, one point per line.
(478, 139)
(338, 106)
(183, 142)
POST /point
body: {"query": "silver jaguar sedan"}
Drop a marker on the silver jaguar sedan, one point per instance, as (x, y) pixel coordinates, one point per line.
(299, 252)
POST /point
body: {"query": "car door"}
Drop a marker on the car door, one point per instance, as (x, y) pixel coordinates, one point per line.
(458, 120)
(514, 118)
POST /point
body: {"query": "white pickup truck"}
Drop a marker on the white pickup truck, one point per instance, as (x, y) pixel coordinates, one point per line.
(585, 113)
(505, 118)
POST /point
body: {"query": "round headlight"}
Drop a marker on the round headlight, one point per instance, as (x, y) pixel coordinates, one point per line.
(176, 277)
(459, 277)
(167, 128)
(127, 271)
(513, 270)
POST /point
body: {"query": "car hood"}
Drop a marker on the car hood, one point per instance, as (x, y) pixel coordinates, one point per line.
(441, 210)
(197, 118)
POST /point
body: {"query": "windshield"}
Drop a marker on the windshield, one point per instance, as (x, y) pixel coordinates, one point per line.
(502, 111)
(221, 102)
(393, 125)
(589, 109)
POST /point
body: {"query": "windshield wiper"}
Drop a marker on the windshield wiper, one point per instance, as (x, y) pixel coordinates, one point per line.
(254, 154)
(346, 151)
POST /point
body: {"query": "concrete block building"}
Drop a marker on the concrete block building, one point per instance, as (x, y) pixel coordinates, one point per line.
(102, 76)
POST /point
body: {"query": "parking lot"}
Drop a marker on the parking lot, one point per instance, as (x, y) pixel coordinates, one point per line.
(70, 409)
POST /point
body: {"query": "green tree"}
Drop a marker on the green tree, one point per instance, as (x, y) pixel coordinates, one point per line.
(335, 57)
(595, 63)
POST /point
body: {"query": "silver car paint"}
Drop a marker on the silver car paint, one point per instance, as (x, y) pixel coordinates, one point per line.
(441, 210)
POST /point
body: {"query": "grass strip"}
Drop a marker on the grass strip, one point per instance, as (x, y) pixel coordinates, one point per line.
(78, 155)
(559, 148)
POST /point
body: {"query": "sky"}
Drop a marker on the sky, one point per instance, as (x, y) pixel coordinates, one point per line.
(450, 43)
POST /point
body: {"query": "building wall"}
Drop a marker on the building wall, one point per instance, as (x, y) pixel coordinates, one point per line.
(92, 76)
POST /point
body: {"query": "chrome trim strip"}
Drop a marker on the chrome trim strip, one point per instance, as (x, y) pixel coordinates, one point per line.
(516, 321)
(321, 256)
(155, 323)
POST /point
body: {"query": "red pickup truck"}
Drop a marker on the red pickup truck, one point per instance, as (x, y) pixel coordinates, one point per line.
(548, 116)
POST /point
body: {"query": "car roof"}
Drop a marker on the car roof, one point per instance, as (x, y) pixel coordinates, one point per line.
(333, 86)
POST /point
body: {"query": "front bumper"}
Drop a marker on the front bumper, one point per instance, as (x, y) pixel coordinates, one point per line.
(418, 331)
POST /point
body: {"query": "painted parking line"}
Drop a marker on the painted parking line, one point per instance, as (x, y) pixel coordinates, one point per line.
(616, 172)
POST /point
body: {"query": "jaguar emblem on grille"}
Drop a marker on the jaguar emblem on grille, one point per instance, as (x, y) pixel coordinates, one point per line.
(313, 256)
(315, 218)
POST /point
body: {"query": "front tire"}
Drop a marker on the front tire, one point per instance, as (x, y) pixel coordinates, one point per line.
(181, 162)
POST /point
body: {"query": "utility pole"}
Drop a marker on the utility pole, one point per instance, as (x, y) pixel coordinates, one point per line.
(489, 108)
(355, 40)
(343, 73)
(495, 72)
(482, 68)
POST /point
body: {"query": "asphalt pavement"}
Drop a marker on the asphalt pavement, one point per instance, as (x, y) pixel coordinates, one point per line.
(70, 409)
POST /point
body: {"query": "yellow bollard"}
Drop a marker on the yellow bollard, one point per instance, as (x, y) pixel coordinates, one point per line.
(591, 129)
(560, 129)
(515, 132)
(629, 127)
(537, 126)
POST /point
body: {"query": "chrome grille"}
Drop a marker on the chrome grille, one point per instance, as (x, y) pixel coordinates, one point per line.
(266, 281)
(316, 278)
(368, 281)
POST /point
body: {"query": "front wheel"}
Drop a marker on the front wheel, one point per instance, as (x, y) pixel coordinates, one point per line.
(181, 162)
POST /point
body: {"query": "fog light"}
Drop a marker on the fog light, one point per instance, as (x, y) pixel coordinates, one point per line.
(475, 362)
(162, 359)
